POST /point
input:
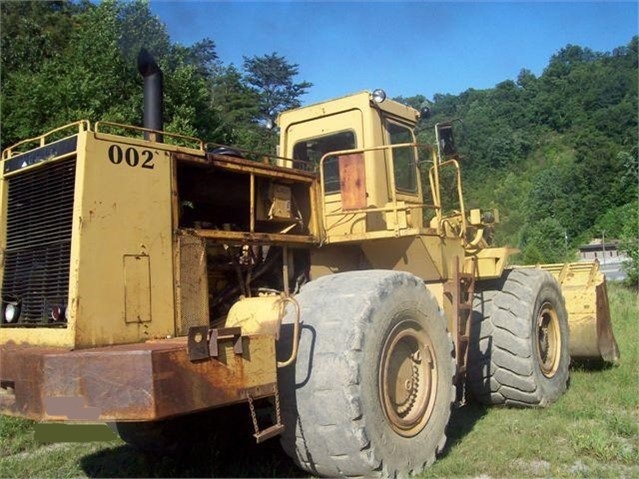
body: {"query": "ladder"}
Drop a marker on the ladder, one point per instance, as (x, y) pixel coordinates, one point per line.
(460, 289)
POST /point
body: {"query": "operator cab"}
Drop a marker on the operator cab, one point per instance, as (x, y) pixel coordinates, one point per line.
(364, 150)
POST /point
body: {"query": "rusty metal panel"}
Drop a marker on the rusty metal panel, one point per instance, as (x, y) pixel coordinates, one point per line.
(352, 181)
(21, 380)
(193, 287)
(147, 381)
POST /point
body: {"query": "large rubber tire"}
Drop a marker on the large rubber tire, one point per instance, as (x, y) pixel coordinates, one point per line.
(371, 391)
(518, 353)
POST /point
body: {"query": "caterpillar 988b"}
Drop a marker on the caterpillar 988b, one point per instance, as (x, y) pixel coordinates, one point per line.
(147, 276)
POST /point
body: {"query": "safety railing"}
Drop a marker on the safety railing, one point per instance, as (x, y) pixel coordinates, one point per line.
(395, 206)
(141, 133)
(52, 136)
(435, 180)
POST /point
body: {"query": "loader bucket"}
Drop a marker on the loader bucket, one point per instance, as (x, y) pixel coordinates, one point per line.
(584, 288)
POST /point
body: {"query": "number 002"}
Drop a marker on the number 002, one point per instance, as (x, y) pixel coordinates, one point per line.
(131, 157)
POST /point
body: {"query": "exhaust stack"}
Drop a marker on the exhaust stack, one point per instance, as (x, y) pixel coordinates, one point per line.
(153, 94)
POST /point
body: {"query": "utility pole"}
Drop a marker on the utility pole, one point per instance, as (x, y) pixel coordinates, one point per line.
(603, 245)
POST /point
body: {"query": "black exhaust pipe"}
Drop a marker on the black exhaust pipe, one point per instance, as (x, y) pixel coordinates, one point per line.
(153, 94)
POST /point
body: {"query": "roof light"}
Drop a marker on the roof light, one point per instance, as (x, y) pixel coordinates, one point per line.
(379, 95)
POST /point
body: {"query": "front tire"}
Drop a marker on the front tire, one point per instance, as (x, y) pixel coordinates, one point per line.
(371, 390)
(518, 352)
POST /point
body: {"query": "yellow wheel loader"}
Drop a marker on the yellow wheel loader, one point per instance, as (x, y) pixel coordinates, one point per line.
(147, 276)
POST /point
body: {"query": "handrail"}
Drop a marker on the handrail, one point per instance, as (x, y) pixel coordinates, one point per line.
(139, 129)
(82, 125)
(434, 178)
(394, 204)
(405, 207)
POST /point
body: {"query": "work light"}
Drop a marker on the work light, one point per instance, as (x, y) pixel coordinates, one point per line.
(379, 95)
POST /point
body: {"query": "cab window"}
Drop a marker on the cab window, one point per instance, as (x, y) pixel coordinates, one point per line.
(403, 158)
(313, 149)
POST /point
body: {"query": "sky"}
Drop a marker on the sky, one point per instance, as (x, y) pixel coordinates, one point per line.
(405, 48)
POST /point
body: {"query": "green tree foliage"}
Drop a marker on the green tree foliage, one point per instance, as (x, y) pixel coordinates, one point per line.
(614, 221)
(84, 67)
(32, 32)
(630, 247)
(557, 154)
(272, 78)
(63, 61)
(237, 105)
(544, 242)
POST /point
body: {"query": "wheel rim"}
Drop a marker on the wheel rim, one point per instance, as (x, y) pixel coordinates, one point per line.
(548, 340)
(408, 378)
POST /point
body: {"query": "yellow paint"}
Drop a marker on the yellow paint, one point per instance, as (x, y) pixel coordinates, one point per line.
(492, 261)
(258, 315)
(356, 113)
(121, 281)
(123, 211)
(583, 286)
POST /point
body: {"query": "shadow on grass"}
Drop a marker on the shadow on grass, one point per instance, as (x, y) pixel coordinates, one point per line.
(462, 421)
(210, 446)
(215, 445)
(591, 365)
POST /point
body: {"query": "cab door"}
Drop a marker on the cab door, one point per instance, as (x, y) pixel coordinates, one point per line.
(404, 186)
(313, 141)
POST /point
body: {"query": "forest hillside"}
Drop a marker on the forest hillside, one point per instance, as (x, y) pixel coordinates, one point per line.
(556, 154)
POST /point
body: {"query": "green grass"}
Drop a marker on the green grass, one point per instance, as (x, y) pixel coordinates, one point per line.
(591, 432)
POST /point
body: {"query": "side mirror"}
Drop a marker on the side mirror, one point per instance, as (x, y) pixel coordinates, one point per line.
(424, 112)
(446, 139)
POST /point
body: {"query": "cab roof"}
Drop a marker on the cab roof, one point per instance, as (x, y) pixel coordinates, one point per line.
(361, 100)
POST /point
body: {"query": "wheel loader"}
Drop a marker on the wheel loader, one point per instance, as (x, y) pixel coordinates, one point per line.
(148, 276)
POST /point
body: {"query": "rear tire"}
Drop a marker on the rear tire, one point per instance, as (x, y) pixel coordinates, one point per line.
(518, 352)
(371, 390)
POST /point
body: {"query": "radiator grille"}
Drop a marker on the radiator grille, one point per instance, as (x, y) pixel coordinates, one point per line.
(38, 241)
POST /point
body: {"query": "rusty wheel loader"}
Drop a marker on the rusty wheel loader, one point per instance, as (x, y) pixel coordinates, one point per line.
(147, 276)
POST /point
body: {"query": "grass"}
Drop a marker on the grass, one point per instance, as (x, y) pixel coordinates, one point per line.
(592, 431)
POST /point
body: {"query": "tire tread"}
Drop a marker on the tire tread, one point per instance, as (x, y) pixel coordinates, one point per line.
(502, 365)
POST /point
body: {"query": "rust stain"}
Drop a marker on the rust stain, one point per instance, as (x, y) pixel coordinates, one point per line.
(145, 381)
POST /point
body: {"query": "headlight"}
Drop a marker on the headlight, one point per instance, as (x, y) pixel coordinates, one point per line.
(379, 95)
(11, 312)
(56, 313)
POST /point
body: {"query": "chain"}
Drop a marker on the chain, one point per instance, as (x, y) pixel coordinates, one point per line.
(253, 415)
(278, 415)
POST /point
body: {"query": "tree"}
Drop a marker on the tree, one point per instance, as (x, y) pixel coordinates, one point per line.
(93, 75)
(272, 78)
(615, 221)
(630, 246)
(544, 242)
(32, 32)
(238, 107)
